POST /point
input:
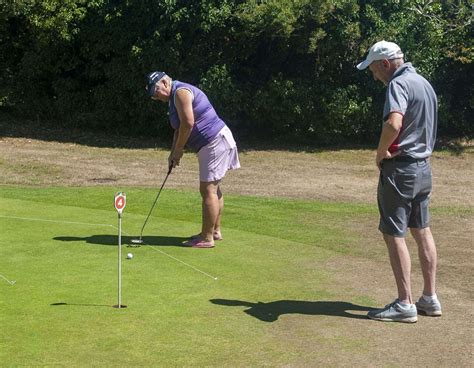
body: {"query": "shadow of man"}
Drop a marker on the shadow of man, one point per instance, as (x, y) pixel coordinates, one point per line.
(270, 312)
(113, 240)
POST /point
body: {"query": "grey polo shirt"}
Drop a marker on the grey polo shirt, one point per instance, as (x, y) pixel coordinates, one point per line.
(412, 96)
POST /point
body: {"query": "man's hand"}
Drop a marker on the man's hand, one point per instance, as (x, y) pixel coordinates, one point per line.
(384, 155)
(390, 131)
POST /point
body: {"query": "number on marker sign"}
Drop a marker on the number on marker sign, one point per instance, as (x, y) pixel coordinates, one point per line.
(120, 201)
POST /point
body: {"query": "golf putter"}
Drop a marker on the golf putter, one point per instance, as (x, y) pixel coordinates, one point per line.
(138, 242)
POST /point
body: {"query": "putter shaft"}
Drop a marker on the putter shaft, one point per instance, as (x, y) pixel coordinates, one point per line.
(140, 241)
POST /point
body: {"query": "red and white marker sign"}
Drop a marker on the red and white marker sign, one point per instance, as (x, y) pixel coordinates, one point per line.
(120, 201)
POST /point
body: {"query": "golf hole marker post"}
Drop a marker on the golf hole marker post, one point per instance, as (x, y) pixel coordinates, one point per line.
(119, 201)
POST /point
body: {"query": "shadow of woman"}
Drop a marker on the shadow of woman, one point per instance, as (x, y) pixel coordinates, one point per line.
(126, 240)
(271, 311)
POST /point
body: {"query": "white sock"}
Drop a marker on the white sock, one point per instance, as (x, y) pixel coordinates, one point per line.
(430, 298)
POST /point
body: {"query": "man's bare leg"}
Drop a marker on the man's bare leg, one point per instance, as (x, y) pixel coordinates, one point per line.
(401, 266)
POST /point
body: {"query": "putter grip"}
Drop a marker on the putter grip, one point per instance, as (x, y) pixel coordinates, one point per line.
(169, 169)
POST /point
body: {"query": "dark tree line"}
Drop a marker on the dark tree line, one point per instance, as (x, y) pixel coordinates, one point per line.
(276, 70)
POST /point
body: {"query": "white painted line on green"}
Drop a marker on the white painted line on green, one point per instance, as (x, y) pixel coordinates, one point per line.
(115, 227)
(55, 221)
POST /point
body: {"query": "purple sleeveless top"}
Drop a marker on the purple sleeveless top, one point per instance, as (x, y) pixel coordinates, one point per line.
(206, 122)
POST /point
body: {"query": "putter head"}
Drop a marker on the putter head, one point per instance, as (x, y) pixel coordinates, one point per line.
(135, 243)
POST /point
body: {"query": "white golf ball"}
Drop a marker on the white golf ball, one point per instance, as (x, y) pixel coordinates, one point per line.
(129, 256)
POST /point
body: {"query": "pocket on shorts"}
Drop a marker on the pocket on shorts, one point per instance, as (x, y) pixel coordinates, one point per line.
(404, 184)
(427, 181)
(228, 139)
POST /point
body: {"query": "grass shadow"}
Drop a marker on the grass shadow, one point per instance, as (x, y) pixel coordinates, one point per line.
(80, 305)
(455, 146)
(11, 126)
(271, 311)
(49, 131)
(106, 239)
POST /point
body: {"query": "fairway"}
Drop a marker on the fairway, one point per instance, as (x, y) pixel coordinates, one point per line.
(278, 299)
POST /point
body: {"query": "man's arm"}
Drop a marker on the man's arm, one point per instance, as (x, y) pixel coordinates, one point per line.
(390, 131)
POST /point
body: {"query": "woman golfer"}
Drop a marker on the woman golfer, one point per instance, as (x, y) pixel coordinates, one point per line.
(197, 125)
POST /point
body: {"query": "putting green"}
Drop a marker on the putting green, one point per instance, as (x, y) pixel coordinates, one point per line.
(60, 245)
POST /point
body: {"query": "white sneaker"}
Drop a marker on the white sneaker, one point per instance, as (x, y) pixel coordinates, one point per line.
(395, 312)
(432, 309)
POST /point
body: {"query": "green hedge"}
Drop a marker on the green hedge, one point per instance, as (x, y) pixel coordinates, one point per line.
(276, 70)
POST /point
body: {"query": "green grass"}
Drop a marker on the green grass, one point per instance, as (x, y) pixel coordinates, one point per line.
(269, 265)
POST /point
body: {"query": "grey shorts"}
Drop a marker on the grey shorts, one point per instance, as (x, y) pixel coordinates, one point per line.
(403, 196)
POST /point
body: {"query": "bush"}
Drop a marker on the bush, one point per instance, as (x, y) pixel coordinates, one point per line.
(274, 70)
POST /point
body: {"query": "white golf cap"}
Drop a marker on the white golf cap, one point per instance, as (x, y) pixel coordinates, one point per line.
(381, 50)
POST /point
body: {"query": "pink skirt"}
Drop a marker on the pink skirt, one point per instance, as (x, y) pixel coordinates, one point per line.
(218, 156)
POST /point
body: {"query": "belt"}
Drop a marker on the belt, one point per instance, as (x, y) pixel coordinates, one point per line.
(408, 159)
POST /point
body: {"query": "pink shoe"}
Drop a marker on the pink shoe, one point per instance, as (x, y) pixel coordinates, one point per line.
(198, 243)
(217, 236)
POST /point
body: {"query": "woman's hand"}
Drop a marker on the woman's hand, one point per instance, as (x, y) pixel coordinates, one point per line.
(175, 157)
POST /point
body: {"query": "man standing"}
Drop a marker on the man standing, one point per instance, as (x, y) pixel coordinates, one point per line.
(406, 143)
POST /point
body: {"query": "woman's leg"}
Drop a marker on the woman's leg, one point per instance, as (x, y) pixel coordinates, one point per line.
(211, 208)
(217, 226)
